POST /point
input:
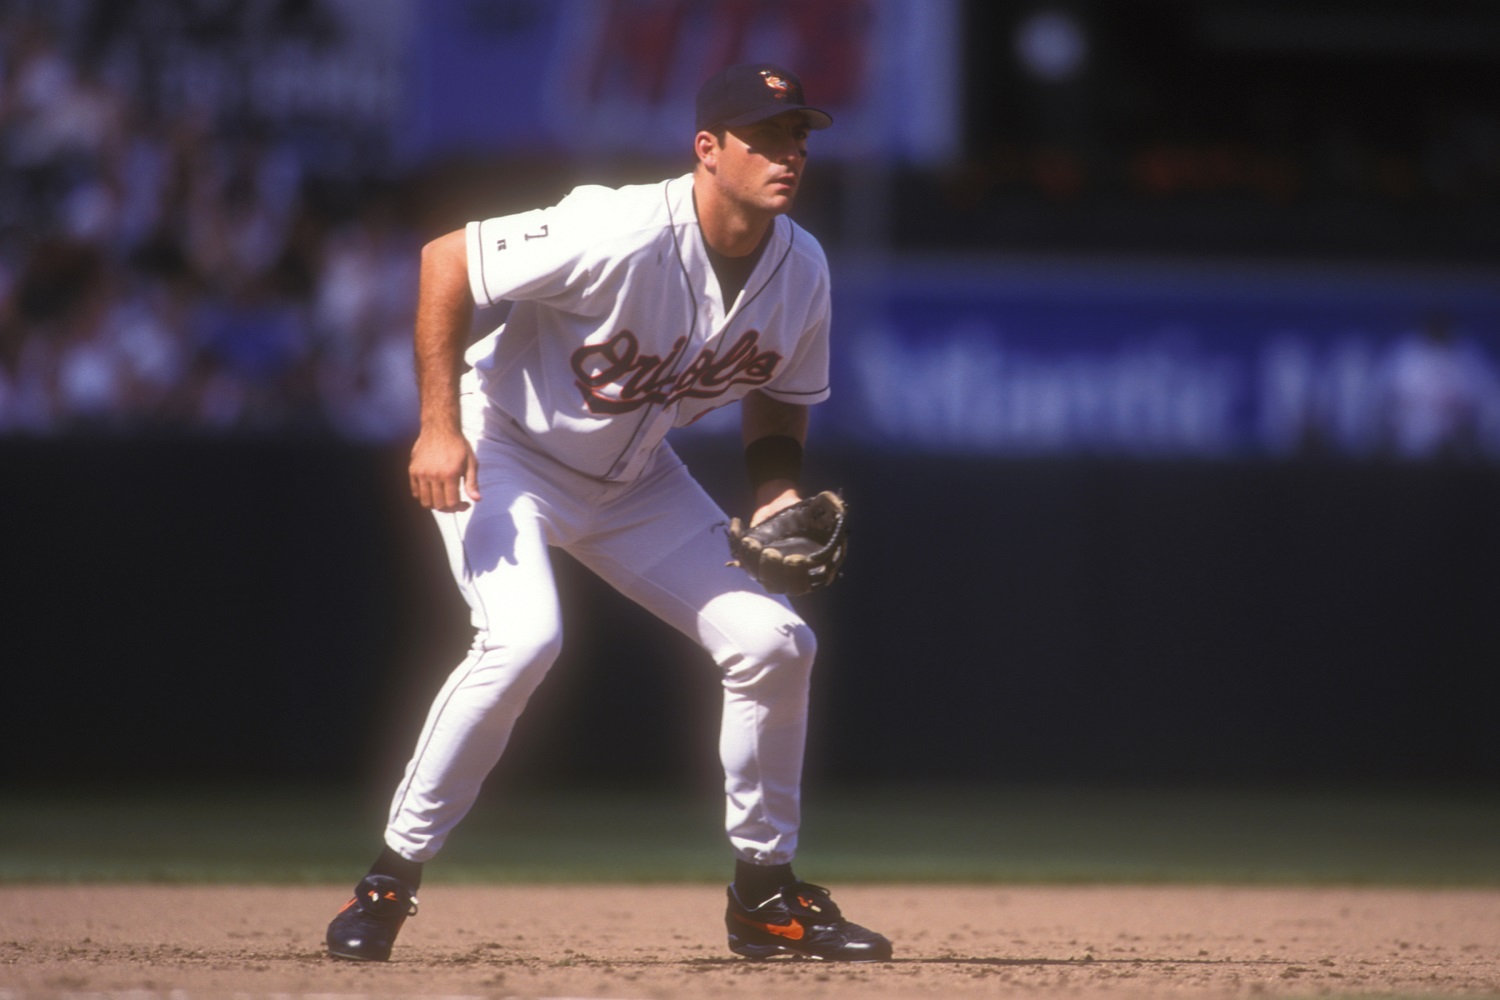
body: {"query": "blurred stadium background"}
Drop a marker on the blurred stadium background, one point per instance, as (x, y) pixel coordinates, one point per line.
(1167, 392)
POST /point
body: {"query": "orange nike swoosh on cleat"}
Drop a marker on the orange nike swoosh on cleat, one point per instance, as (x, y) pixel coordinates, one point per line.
(792, 931)
(347, 905)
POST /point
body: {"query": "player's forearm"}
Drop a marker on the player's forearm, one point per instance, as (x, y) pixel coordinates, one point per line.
(774, 463)
(762, 416)
(445, 310)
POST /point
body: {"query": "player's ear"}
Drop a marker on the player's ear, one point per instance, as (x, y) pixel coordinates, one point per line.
(706, 145)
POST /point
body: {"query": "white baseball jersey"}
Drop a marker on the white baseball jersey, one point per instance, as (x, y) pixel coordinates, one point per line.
(619, 332)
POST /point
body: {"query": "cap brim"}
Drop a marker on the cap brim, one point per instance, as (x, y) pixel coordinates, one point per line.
(816, 117)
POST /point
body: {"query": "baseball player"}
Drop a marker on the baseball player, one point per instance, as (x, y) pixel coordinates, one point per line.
(634, 310)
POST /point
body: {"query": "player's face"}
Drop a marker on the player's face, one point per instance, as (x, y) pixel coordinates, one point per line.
(761, 165)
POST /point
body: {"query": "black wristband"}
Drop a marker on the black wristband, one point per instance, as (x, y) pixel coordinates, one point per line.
(778, 456)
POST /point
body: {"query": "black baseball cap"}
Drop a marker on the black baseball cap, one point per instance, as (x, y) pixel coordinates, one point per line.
(752, 92)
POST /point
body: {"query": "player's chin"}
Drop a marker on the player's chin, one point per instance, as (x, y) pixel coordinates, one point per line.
(781, 198)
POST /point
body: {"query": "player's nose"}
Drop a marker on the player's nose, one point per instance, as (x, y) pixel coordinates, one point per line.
(788, 149)
(791, 155)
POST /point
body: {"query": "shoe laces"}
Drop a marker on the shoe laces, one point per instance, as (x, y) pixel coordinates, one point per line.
(812, 900)
(386, 898)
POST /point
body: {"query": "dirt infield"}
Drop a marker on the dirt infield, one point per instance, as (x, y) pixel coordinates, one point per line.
(180, 943)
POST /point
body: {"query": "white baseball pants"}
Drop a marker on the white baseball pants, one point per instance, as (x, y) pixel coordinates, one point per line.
(660, 541)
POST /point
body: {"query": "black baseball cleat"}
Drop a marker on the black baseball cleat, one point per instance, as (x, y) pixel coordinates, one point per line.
(366, 928)
(800, 920)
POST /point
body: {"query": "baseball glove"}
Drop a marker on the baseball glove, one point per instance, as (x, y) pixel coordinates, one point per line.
(797, 549)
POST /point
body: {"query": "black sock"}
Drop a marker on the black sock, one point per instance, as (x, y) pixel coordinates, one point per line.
(755, 884)
(392, 864)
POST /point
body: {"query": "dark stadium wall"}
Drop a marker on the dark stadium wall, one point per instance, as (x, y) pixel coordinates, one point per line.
(235, 610)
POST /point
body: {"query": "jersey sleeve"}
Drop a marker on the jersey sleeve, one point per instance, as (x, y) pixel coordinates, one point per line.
(804, 378)
(516, 257)
(542, 254)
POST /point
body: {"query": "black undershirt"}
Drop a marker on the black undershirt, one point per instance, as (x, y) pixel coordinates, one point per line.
(733, 272)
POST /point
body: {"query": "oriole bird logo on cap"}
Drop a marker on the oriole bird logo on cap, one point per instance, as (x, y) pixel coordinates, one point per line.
(777, 84)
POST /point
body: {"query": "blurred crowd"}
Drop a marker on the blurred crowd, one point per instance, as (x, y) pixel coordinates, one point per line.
(203, 228)
(168, 263)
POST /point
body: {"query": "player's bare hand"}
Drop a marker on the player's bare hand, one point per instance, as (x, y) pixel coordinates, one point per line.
(772, 497)
(443, 470)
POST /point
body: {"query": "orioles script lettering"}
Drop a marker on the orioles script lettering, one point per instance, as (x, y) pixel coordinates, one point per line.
(645, 379)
